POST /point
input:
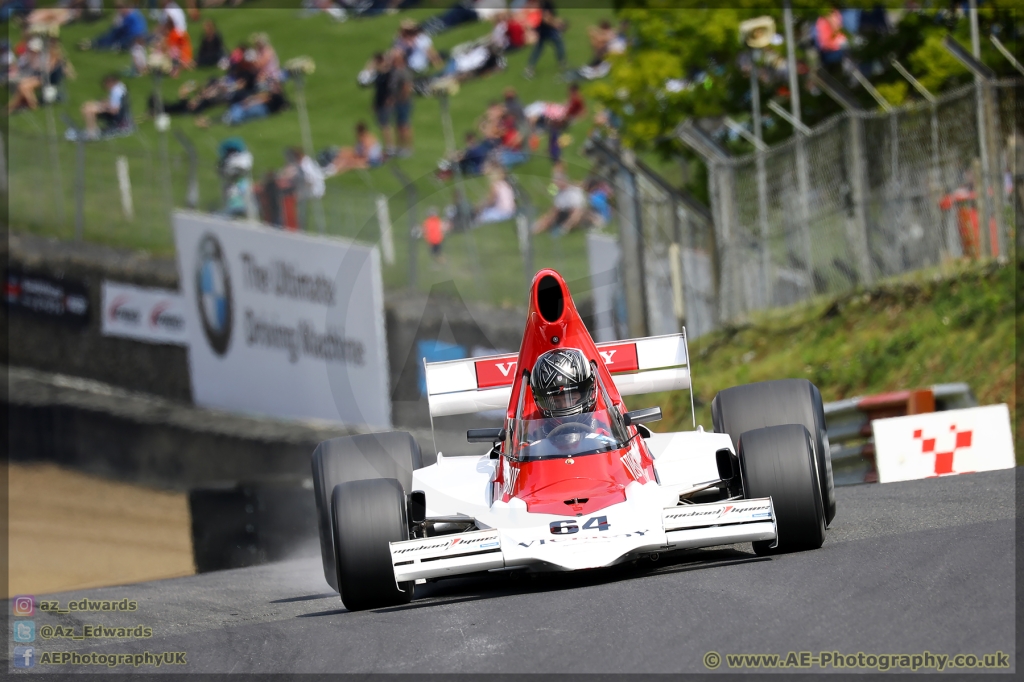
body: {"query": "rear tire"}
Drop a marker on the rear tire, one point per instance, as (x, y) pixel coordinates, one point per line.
(778, 462)
(365, 517)
(774, 403)
(393, 455)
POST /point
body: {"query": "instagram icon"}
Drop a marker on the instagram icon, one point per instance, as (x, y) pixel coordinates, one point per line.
(24, 605)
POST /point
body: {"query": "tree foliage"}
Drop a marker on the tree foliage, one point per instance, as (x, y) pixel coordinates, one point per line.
(696, 52)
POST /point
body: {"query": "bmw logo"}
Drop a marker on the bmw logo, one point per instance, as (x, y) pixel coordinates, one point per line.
(213, 293)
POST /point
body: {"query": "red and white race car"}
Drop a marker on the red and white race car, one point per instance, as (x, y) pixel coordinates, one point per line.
(565, 494)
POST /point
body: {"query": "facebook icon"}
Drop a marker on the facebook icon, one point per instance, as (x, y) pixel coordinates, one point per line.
(24, 656)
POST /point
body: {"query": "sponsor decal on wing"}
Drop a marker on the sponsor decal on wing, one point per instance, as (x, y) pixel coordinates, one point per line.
(441, 547)
(702, 515)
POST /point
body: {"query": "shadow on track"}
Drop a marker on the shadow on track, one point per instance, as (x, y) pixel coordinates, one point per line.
(308, 597)
(497, 585)
(332, 612)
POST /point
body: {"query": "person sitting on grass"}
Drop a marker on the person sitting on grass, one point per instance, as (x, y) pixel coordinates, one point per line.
(365, 153)
(111, 112)
(211, 49)
(500, 204)
(512, 151)
(191, 101)
(127, 26)
(32, 69)
(140, 59)
(568, 210)
(268, 66)
(258, 105)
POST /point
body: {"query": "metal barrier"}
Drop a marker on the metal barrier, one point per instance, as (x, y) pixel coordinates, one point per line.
(848, 422)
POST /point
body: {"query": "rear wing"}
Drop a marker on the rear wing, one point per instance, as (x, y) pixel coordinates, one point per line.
(648, 365)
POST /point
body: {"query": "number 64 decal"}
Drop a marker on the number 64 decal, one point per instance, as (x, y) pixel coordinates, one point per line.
(568, 527)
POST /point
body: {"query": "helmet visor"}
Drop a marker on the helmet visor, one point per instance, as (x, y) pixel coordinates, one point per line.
(566, 401)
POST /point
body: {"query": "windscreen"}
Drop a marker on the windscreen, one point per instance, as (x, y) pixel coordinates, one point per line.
(582, 434)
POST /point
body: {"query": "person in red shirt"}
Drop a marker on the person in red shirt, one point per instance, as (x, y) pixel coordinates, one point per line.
(830, 37)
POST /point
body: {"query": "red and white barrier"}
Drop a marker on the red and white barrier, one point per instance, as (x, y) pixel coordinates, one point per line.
(943, 443)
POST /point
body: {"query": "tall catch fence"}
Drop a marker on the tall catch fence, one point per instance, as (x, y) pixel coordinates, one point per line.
(664, 263)
(122, 192)
(887, 193)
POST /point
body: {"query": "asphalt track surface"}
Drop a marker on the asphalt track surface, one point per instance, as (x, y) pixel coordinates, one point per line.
(906, 567)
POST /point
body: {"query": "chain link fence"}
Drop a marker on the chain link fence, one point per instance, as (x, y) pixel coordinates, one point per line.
(122, 192)
(887, 193)
(881, 194)
(663, 268)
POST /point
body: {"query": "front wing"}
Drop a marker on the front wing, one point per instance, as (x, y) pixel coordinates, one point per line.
(570, 546)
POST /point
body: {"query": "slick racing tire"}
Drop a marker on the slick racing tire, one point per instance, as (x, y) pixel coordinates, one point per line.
(394, 455)
(774, 403)
(778, 462)
(365, 516)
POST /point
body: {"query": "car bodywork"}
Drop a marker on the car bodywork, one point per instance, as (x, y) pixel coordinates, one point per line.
(614, 493)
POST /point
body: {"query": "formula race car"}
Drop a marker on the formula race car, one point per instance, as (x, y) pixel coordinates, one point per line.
(572, 480)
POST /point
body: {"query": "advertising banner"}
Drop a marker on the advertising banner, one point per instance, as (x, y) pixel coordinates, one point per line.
(36, 294)
(143, 314)
(943, 443)
(283, 324)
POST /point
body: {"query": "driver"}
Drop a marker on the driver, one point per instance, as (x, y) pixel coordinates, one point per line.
(565, 389)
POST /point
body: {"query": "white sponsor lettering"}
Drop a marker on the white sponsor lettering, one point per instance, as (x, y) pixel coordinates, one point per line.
(607, 355)
(285, 325)
(505, 367)
(509, 474)
(632, 461)
(584, 538)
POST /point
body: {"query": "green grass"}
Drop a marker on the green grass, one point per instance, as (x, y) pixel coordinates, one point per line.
(335, 104)
(929, 328)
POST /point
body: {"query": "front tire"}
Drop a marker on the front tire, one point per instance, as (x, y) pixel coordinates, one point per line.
(394, 455)
(778, 462)
(366, 516)
(774, 403)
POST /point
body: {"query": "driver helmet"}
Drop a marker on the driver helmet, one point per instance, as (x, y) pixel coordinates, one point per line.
(563, 383)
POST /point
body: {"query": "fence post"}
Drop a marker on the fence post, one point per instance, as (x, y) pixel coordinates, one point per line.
(981, 201)
(192, 193)
(630, 238)
(984, 180)
(1003, 237)
(58, 183)
(79, 187)
(894, 222)
(732, 261)
(524, 218)
(858, 182)
(804, 189)
(3, 165)
(414, 243)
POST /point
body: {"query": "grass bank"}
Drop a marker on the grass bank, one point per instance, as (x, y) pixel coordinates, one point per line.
(936, 327)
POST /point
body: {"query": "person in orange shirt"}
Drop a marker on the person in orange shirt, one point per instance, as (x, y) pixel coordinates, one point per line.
(433, 232)
(178, 45)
